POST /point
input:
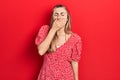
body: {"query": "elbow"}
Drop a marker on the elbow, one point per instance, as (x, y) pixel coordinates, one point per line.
(41, 53)
(42, 49)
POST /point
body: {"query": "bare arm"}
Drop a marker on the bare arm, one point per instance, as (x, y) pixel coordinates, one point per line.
(43, 47)
(75, 69)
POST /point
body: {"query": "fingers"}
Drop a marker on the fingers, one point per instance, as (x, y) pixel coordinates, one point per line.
(59, 22)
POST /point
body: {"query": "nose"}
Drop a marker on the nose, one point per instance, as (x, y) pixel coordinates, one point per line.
(58, 17)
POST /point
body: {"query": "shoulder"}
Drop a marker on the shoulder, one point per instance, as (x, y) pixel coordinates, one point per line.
(45, 26)
(76, 37)
(43, 29)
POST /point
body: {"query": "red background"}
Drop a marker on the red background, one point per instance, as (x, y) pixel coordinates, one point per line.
(96, 21)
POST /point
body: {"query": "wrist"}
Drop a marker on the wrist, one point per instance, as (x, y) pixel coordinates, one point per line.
(53, 29)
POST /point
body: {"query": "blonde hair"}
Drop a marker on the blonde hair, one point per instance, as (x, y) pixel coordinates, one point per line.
(67, 28)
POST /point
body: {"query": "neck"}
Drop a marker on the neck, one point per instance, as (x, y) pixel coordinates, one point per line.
(61, 32)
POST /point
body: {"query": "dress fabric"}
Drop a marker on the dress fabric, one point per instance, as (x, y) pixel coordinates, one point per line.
(57, 65)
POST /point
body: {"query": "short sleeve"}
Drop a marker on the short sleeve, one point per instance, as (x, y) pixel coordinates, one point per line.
(76, 51)
(42, 33)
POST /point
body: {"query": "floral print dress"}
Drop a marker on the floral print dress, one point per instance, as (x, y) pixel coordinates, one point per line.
(57, 65)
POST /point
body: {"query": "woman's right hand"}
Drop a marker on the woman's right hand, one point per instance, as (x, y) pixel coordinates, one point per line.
(58, 24)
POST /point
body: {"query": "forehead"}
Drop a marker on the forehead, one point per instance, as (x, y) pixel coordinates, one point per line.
(59, 10)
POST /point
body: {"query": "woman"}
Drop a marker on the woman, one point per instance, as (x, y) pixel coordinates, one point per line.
(60, 46)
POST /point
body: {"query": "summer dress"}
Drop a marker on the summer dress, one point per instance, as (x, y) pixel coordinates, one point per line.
(57, 65)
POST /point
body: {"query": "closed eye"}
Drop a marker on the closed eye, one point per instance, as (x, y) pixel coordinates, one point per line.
(62, 13)
(55, 14)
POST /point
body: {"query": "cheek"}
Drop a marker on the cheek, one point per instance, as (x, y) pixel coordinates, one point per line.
(64, 18)
(54, 17)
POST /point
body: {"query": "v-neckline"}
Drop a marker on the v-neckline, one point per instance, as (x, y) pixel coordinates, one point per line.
(65, 42)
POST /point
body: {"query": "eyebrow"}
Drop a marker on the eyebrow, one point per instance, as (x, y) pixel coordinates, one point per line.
(60, 13)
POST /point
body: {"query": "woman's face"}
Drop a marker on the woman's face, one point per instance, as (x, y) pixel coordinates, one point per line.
(60, 14)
